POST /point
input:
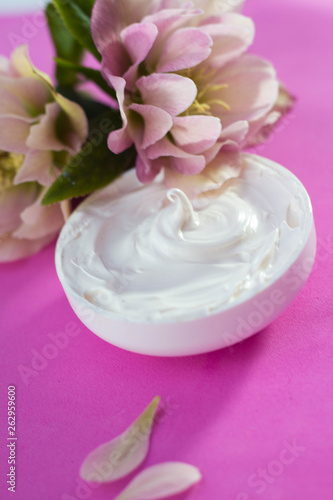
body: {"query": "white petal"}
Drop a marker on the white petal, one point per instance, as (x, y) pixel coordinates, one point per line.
(161, 481)
(121, 455)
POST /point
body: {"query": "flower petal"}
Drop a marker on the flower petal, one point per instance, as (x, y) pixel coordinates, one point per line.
(171, 92)
(43, 135)
(161, 481)
(146, 169)
(138, 40)
(225, 166)
(184, 49)
(157, 123)
(14, 134)
(109, 18)
(211, 7)
(182, 162)
(232, 34)
(36, 167)
(12, 248)
(251, 90)
(195, 134)
(12, 201)
(39, 221)
(120, 140)
(122, 455)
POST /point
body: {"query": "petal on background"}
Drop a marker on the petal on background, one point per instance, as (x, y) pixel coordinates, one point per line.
(14, 134)
(232, 34)
(124, 453)
(171, 92)
(184, 49)
(36, 167)
(78, 123)
(157, 123)
(161, 481)
(251, 91)
(195, 134)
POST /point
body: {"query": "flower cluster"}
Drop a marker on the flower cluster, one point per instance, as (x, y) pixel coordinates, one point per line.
(38, 128)
(182, 96)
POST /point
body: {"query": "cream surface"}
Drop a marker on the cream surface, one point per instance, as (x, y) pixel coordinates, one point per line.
(147, 254)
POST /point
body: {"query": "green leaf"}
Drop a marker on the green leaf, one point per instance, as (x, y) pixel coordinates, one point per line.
(65, 45)
(78, 23)
(85, 5)
(91, 74)
(95, 166)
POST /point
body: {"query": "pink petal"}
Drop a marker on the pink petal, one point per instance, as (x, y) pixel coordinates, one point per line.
(184, 49)
(43, 135)
(25, 97)
(161, 481)
(222, 168)
(120, 140)
(40, 221)
(12, 249)
(109, 18)
(167, 22)
(36, 166)
(191, 165)
(232, 34)
(157, 123)
(138, 40)
(12, 202)
(195, 134)
(14, 135)
(121, 455)
(146, 169)
(171, 92)
(116, 60)
(252, 90)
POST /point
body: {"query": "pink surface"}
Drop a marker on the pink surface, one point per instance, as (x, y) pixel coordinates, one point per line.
(263, 407)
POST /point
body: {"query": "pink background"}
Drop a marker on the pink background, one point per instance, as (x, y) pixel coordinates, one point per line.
(230, 412)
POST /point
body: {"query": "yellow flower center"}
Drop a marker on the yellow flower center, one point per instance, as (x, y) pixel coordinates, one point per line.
(10, 164)
(208, 94)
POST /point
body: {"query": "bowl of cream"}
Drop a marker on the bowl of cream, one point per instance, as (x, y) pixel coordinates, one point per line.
(152, 272)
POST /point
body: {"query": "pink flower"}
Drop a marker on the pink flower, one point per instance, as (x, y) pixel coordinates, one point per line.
(185, 87)
(37, 126)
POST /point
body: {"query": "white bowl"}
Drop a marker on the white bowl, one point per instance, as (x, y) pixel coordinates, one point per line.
(231, 324)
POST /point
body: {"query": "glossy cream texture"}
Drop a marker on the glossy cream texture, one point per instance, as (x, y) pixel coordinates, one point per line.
(147, 254)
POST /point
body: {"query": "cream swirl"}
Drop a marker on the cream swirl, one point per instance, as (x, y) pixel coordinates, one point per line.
(147, 254)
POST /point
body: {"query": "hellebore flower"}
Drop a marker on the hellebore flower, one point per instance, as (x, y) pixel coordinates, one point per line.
(38, 129)
(185, 86)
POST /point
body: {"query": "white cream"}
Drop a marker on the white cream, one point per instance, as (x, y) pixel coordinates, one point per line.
(146, 254)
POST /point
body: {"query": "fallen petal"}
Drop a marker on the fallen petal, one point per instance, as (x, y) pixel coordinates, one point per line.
(161, 481)
(121, 455)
